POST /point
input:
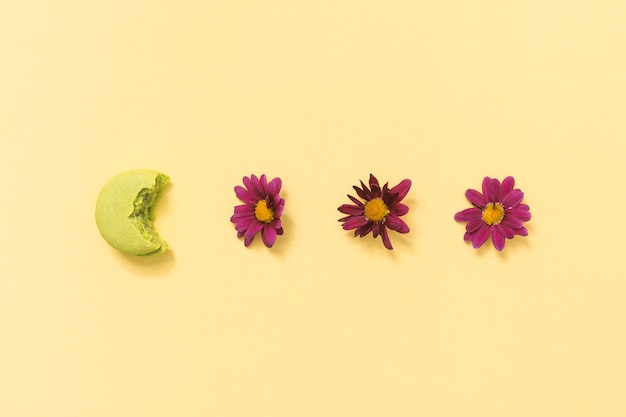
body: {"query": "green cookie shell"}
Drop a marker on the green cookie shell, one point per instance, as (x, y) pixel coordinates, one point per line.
(124, 211)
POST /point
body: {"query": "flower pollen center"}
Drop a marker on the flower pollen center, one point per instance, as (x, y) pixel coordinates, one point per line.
(376, 210)
(493, 213)
(263, 213)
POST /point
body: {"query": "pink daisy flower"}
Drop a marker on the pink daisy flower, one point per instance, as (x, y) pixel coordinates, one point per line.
(380, 211)
(261, 211)
(497, 212)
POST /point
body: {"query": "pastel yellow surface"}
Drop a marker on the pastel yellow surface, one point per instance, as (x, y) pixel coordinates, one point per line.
(320, 93)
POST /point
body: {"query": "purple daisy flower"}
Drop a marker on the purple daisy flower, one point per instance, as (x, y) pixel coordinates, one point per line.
(497, 212)
(381, 210)
(261, 211)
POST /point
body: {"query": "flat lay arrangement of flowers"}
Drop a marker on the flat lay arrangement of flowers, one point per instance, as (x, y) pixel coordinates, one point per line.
(497, 212)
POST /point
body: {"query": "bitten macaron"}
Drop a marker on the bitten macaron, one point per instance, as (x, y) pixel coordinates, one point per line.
(124, 211)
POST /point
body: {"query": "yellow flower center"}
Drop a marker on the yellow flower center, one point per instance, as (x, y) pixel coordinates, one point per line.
(376, 210)
(263, 213)
(493, 213)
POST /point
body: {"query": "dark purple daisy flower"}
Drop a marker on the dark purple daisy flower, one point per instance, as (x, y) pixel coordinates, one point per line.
(381, 210)
(497, 212)
(262, 210)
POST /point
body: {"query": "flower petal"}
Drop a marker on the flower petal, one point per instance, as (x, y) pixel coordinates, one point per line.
(373, 180)
(354, 221)
(243, 223)
(395, 223)
(385, 237)
(399, 209)
(492, 190)
(245, 196)
(520, 213)
(277, 224)
(507, 185)
(401, 189)
(512, 221)
(259, 189)
(467, 215)
(375, 229)
(254, 228)
(507, 232)
(376, 191)
(351, 209)
(274, 186)
(244, 210)
(356, 201)
(474, 225)
(280, 208)
(248, 240)
(363, 230)
(476, 198)
(497, 239)
(522, 231)
(360, 192)
(367, 192)
(263, 182)
(269, 235)
(481, 236)
(512, 199)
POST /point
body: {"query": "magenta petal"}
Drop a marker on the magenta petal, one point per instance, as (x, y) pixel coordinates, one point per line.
(373, 180)
(269, 236)
(481, 236)
(474, 225)
(351, 209)
(248, 240)
(396, 223)
(467, 215)
(245, 196)
(512, 221)
(274, 186)
(254, 228)
(492, 190)
(263, 182)
(243, 223)
(360, 192)
(522, 231)
(507, 232)
(277, 224)
(247, 182)
(386, 240)
(399, 209)
(375, 229)
(244, 209)
(401, 189)
(520, 213)
(354, 222)
(364, 230)
(497, 239)
(237, 218)
(512, 199)
(476, 198)
(356, 201)
(507, 185)
(258, 187)
(280, 209)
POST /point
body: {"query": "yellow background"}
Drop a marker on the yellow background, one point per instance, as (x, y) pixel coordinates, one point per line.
(320, 93)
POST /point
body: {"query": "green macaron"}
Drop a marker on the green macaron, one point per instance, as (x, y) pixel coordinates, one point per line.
(124, 211)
